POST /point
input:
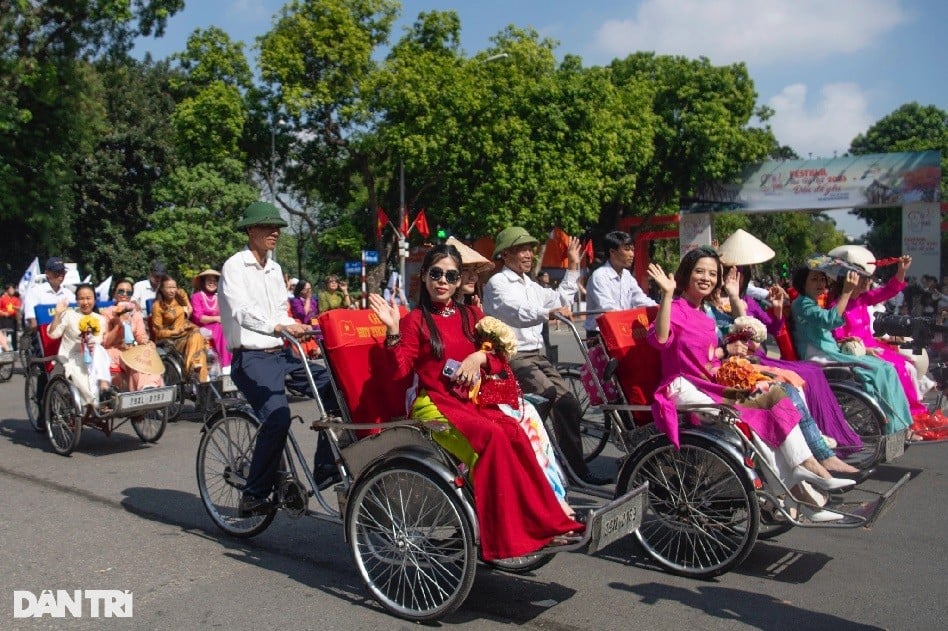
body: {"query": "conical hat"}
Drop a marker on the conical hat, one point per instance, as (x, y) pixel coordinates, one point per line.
(470, 256)
(143, 358)
(857, 255)
(743, 248)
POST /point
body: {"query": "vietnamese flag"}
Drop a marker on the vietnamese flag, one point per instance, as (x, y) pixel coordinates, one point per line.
(381, 220)
(590, 252)
(421, 223)
(405, 227)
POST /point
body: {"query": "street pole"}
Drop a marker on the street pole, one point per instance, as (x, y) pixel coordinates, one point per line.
(272, 169)
(401, 221)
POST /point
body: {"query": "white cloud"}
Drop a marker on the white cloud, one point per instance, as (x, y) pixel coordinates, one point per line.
(830, 124)
(759, 31)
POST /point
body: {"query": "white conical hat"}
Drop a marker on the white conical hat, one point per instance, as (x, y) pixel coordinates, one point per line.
(857, 255)
(743, 248)
(470, 256)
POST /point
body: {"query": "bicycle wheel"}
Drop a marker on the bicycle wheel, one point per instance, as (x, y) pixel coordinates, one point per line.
(174, 376)
(702, 515)
(6, 371)
(594, 426)
(34, 386)
(63, 416)
(865, 418)
(151, 425)
(24, 349)
(412, 541)
(223, 461)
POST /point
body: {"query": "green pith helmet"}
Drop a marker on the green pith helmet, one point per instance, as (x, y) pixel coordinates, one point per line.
(261, 214)
(511, 237)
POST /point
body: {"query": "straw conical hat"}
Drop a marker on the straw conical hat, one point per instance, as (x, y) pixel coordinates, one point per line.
(197, 280)
(143, 358)
(470, 256)
(855, 254)
(743, 248)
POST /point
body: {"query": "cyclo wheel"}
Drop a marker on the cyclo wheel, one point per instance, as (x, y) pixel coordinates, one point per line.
(6, 371)
(223, 461)
(63, 417)
(594, 426)
(865, 418)
(33, 388)
(702, 515)
(411, 540)
(151, 425)
(24, 349)
(174, 377)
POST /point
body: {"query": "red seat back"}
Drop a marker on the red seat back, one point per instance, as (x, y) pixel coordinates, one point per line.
(354, 341)
(639, 371)
(44, 316)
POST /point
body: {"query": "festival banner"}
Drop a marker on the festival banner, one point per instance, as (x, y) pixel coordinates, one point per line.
(866, 181)
(921, 238)
(694, 230)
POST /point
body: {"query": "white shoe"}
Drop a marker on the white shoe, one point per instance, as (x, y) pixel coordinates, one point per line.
(800, 474)
(821, 516)
(830, 442)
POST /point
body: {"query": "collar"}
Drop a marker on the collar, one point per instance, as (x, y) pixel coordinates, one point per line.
(515, 277)
(248, 259)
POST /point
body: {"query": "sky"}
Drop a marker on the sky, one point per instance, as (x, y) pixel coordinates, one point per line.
(829, 68)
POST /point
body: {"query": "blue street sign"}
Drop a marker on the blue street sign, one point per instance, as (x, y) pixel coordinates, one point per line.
(353, 268)
(371, 256)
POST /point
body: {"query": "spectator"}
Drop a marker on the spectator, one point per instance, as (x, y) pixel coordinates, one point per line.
(335, 296)
(10, 308)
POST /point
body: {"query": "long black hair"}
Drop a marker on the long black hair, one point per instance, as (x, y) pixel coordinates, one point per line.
(687, 265)
(426, 305)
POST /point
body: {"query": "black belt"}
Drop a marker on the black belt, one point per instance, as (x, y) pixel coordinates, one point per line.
(244, 349)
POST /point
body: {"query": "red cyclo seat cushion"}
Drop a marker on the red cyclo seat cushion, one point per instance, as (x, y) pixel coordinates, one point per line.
(639, 371)
(355, 348)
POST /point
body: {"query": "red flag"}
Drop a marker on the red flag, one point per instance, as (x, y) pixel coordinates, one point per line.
(421, 223)
(589, 251)
(381, 220)
(405, 227)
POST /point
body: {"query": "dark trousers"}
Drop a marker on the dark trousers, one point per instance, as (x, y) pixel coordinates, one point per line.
(538, 376)
(262, 377)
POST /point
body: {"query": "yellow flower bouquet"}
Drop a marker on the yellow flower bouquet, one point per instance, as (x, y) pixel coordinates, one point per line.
(495, 336)
(89, 325)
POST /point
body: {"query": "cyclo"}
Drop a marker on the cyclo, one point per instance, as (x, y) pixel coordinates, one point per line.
(53, 403)
(709, 501)
(405, 504)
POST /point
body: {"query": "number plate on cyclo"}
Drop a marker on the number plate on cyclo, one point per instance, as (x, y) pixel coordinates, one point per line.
(7, 357)
(146, 399)
(894, 445)
(619, 518)
(227, 384)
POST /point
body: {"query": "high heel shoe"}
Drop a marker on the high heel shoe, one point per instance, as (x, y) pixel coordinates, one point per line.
(801, 473)
(821, 516)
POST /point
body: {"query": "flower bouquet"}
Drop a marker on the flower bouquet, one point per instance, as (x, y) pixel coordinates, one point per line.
(496, 337)
(88, 329)
(741, 373)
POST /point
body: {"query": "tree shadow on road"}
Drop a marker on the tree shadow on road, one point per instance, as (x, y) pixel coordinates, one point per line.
(314, 554)
(759, 611)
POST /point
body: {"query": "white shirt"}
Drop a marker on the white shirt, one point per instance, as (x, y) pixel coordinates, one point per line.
(253, 301)
(524, 305)
(609, 290)
(43, 294)
(142, 293)
(758, 293)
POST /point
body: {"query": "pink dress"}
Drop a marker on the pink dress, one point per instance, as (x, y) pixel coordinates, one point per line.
(689, 352)
(205, 304)
(123, 377)
(857, 322)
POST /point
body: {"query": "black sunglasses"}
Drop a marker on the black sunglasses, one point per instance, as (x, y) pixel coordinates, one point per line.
(451, 276)
(123, 292)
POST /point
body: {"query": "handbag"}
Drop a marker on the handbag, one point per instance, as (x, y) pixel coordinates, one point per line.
(598, 359)
(498, 389)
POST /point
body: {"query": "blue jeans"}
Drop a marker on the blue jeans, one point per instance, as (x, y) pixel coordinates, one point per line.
(262, 378)
(814, 439)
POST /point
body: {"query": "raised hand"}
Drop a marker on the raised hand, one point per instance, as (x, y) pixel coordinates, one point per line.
(850, 282)
(665, 282)
(387, 312)
(573, 251)
(732, 282)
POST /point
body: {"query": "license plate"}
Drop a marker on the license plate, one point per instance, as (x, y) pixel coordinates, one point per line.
(894, 445)
(155, 397)
(619, 518)
(227, 384)
(8, 357)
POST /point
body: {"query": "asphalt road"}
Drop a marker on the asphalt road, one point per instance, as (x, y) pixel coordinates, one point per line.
(118, 514)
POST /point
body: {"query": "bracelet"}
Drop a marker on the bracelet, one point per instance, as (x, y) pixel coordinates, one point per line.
(393, 339)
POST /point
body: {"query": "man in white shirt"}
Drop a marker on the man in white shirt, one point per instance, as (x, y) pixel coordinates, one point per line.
(514, 298)
(145, 290)
(51, 292)
(612, 287)
(253, 314)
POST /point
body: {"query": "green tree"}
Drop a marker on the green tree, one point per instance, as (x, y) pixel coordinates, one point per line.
(912, 127)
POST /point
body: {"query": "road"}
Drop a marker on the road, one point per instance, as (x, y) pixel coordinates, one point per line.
(118, 514)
